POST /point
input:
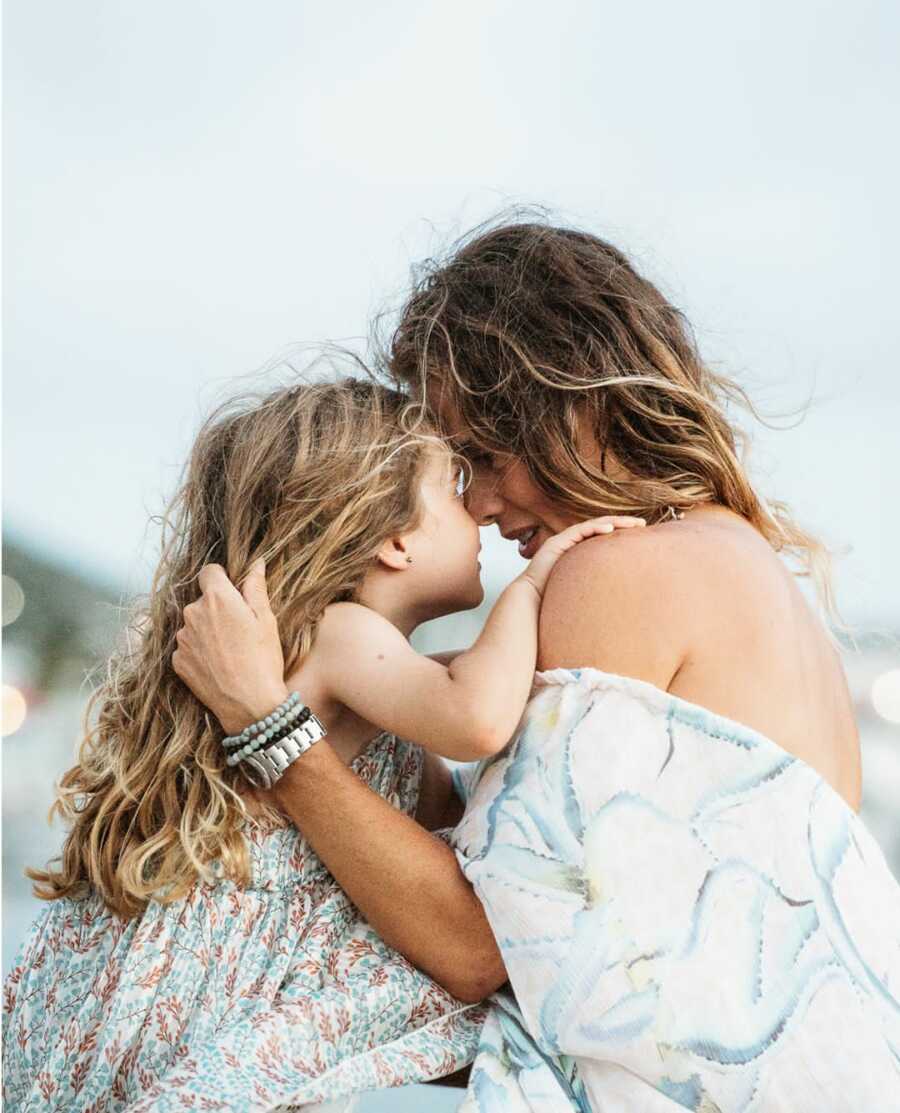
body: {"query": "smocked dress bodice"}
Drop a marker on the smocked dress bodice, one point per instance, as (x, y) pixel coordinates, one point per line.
(691, 917)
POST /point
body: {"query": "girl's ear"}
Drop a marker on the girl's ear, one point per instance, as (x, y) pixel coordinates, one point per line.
(394, 553)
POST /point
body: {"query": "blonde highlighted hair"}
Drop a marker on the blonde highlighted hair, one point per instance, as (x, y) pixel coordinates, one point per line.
(532, 332)
(312, 478)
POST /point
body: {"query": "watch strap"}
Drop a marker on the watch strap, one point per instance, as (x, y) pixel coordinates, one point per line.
(264, 767)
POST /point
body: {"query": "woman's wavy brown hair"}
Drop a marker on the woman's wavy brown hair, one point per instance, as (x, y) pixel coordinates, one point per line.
(530, 329)
(313, 479)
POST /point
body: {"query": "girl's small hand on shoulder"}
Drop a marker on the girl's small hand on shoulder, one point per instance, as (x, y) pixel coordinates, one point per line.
(541, 565)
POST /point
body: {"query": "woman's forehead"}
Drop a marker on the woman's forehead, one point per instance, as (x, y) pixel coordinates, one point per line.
(450, 421)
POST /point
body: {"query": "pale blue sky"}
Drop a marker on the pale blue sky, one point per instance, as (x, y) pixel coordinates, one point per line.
(190, 187)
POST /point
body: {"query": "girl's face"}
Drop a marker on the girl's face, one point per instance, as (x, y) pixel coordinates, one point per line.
(447, 542)
(502, 492)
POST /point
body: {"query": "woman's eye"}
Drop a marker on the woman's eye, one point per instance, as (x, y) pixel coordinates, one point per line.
(481, 459)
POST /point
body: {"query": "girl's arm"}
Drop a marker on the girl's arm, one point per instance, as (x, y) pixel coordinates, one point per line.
(468, 709)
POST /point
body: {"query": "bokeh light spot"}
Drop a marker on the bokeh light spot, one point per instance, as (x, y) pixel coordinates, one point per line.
(886, 695)
(14, 709)
(13, 600)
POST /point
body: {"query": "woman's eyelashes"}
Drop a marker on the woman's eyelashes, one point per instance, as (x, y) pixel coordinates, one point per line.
(480, 459)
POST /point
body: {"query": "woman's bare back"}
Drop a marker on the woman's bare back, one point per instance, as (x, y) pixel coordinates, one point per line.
(705, 609)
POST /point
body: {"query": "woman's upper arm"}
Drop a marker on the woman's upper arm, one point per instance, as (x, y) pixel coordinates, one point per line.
(619, 604)
(438, 806)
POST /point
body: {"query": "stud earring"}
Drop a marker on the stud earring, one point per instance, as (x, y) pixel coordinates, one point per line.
(409, 560)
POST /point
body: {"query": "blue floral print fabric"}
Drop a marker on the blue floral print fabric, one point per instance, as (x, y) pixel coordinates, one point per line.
(231, 999)
(691, 918)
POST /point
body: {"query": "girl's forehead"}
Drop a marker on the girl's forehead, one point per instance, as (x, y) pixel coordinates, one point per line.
(441, 457)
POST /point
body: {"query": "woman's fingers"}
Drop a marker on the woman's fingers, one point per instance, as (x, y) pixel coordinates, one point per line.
(213, 580)
(255, 591)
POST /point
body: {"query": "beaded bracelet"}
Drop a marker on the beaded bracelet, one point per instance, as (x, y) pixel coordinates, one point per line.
(270, 736)
(279, 727)
(264, 768)
(266, 721)
(277, 717)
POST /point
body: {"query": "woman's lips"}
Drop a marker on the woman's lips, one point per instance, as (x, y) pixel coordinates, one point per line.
(529, 543)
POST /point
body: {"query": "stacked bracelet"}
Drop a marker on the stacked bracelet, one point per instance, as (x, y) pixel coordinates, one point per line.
(269, 736)
(272, 743)
(264, 768)
(283, 714)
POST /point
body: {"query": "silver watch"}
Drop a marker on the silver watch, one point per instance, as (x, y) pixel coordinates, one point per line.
(263, 768)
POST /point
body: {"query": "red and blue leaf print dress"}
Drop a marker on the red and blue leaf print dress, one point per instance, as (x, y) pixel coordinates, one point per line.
(233, 998)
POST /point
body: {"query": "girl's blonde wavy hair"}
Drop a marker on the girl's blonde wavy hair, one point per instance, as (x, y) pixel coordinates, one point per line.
(313, 479)
(528, 329)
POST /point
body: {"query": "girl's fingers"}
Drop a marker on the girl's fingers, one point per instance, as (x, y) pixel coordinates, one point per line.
(610, 524)
(607, 524)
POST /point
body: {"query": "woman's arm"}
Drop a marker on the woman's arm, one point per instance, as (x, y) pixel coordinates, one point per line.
(405, 881)
(439, 806)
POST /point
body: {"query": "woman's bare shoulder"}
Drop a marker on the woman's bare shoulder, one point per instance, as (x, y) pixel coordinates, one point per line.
(632, 603)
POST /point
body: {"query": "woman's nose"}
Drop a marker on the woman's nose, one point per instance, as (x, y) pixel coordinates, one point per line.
(482, 500)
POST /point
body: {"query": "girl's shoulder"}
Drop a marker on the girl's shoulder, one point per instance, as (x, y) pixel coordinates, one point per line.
(340, 619)
(351, 635)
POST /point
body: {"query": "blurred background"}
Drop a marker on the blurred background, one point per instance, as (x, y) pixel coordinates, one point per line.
(192, 188)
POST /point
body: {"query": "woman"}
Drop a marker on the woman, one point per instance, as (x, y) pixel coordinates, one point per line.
(689, 910)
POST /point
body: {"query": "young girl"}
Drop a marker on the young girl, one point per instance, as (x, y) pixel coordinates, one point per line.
(196, 953)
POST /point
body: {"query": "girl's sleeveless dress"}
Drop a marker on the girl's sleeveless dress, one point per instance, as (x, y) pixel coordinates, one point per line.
(691, 917)
(231, 999)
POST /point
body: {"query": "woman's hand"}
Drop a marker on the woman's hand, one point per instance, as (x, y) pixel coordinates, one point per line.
(541, 565)
(229, 653)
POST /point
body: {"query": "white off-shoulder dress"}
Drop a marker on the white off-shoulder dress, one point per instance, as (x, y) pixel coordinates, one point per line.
(691, 917)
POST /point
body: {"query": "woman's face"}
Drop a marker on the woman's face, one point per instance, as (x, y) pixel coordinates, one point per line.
(501, 491)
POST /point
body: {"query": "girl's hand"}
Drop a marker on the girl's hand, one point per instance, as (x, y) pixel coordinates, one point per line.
(541, 565)
(229, 652)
